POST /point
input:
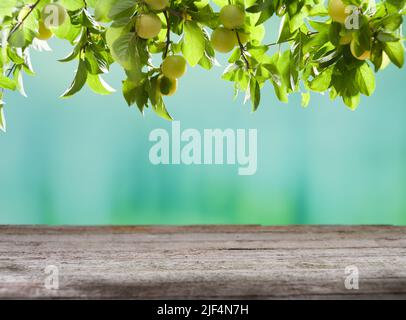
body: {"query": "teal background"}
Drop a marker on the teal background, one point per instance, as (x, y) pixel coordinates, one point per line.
(85, 160)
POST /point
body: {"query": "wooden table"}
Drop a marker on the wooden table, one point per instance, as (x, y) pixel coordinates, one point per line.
(237, 262)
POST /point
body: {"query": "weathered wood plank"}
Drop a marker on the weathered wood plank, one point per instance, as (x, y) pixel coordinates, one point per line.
(203, 261)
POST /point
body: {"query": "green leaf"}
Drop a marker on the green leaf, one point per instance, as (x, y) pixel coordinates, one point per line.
(120, 7)
(17, 39)
(152, 90)
(284, 30)
(297, 20)
(392, 22)
(255, 94)
(363, 36)
(18, 76)
(72, 5)
(67, 30)
(7, 7)
(322, 81)
(7, 83)
(122, 49)
(283, 65)
(98, 85)
(134, 93)
(386, 37)
(305, 99)
(129, 92)
(193, 47)
(265, 14)
(78, 82)
(15, 56)
(365, 79)
(156, 99)
(281, 92)
(103, 8)
(352, 102)
(95, 62)
(395, 52)
(89, 21)
(2, 118)
(112, 34)
(72, 55)
(160, 109)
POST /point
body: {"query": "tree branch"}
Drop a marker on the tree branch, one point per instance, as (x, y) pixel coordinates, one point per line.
(242, 49)
(175, 13)
(168, 34)
(19, 24)
(288, 40)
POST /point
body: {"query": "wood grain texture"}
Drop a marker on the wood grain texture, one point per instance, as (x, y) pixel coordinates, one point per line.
(206, 262)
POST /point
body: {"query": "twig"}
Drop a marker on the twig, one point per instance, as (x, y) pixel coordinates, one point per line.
(168, 34)
(288, 40)
(9, 72)
(18, 25)
(242, 49)
(87, 32)
(175, 13)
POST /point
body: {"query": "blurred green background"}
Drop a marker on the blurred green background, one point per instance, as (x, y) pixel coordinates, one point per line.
(85, 160)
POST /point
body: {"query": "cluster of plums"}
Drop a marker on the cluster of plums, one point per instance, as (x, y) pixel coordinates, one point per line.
(148, 26)
(225, 38)
(338, 13)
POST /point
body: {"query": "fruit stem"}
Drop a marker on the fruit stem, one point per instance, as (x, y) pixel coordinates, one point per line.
(168, 34)
(242, 50)
(18, 25)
